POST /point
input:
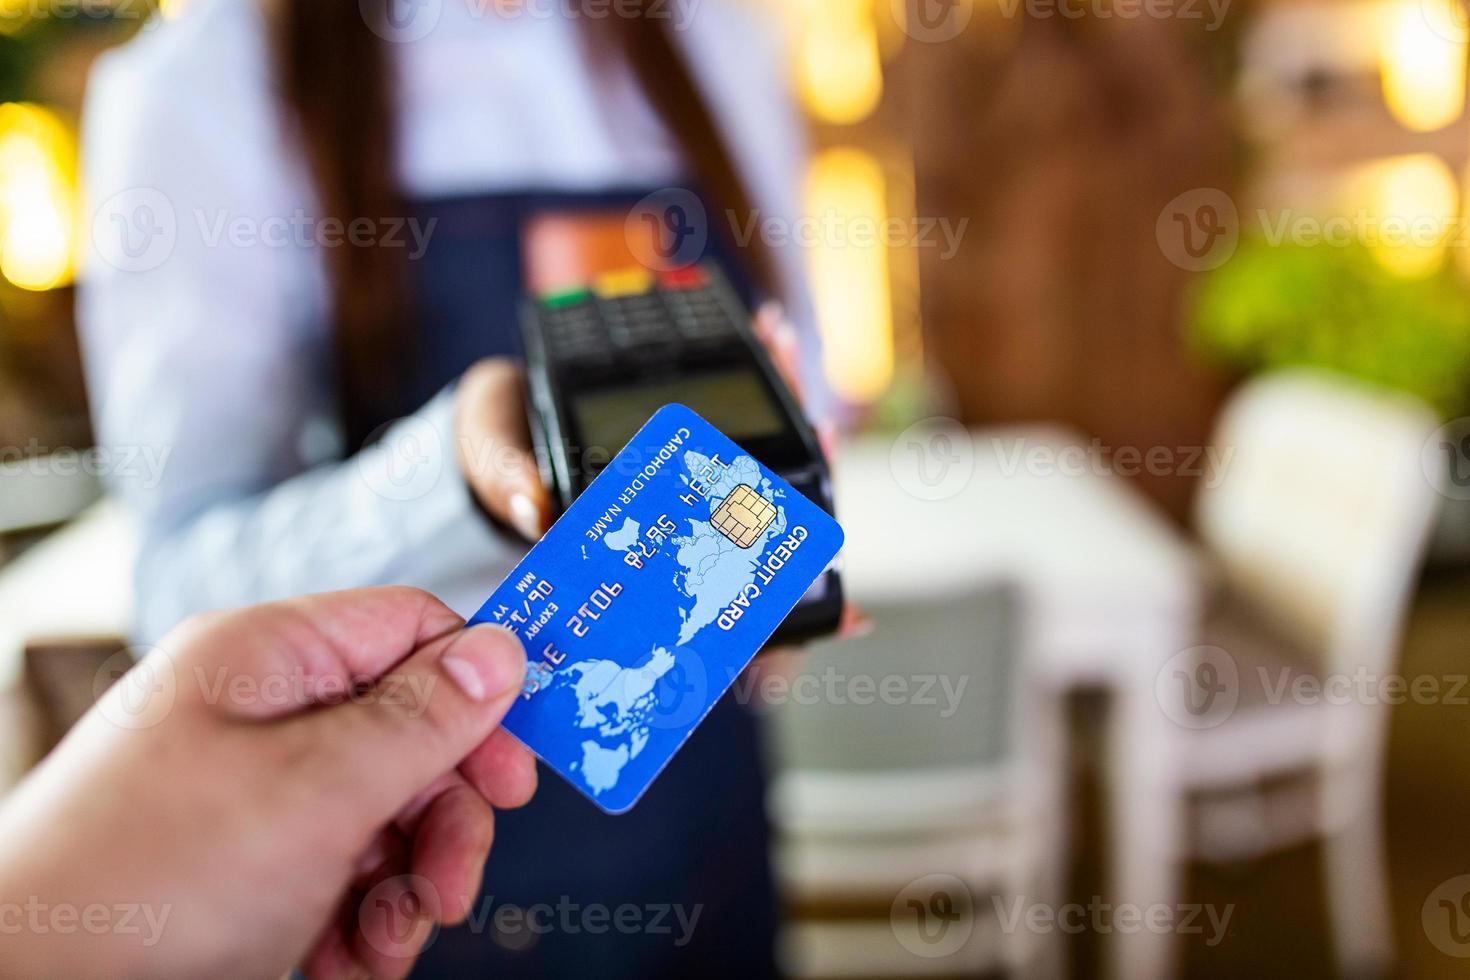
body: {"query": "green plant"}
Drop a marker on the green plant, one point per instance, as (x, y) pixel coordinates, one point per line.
(1337, 308)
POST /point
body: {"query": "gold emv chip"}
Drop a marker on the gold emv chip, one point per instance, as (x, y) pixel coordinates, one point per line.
(743, 515)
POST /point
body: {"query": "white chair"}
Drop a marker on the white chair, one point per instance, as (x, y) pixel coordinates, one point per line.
(1318, 528)
(874, 792)
(36, 498)
(78, 581)
(870, 797)
(75, 583)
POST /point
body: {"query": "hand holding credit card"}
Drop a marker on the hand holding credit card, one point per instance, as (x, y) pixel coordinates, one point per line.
(646, 599)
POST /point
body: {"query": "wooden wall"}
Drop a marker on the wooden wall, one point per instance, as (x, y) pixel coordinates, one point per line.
(1062, 142)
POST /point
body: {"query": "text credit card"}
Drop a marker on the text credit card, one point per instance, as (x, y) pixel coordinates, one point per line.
(644, 602)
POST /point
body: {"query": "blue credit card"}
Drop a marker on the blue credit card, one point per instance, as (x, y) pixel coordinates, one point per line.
(644, 602)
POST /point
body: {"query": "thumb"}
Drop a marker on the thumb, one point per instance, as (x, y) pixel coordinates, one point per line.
(421, 719)
(495, 447)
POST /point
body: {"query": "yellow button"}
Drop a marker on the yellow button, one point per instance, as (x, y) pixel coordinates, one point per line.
(624, 282)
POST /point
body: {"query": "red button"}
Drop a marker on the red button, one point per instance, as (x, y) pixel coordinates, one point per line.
(689, 277)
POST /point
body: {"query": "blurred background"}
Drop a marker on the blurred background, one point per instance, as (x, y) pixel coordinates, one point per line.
(1159, 359)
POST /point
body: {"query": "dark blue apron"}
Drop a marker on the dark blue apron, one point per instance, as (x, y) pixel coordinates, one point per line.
(610, 896)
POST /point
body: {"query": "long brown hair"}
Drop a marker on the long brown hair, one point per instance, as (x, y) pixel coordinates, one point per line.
(336, 83)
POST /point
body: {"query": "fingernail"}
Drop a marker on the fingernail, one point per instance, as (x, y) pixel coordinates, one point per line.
(525, 516)
(858, 626)
(465, 677)
(485, 661)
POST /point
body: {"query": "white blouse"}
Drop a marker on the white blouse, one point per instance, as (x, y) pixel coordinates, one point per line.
(202, 304)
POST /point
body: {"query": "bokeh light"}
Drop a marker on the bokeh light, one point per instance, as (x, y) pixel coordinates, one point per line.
(839, 70)
(1423, 70)
(37, 197)
(1414, 200)
(846, 187)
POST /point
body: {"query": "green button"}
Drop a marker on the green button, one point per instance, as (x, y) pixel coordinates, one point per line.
(570, 296)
